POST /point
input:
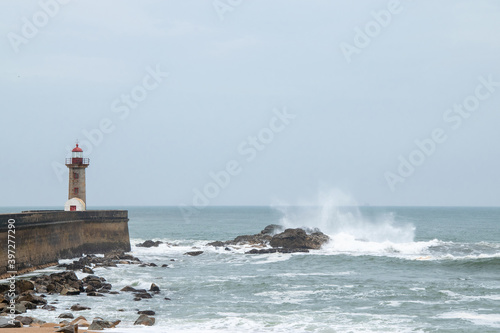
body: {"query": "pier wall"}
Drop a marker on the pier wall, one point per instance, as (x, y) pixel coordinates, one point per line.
(44, 237)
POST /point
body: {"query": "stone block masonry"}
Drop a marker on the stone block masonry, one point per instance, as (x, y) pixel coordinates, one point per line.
(44, 237)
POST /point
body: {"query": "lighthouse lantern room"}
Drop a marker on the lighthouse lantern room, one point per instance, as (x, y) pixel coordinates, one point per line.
(76, 188)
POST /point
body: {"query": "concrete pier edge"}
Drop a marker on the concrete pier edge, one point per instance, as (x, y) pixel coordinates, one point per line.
(44, 237)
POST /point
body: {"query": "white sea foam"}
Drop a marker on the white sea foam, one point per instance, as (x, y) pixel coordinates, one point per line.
(490, 320)
(317, 274)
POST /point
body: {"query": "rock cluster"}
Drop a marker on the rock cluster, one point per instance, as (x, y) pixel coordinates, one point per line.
(299, 239)
(30, 294)
(194, 253)
(111, 259)
(140, 294)
(281, 241)
(150, 243)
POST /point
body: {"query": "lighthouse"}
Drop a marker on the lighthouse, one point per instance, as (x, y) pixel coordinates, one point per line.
(76, 189)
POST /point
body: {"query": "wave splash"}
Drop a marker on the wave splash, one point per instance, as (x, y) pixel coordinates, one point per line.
(336, 213)
(339, 216)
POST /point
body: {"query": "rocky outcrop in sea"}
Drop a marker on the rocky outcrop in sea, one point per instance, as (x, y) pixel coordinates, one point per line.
(274, 239)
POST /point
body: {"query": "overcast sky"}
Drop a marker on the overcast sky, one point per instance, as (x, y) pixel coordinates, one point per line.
(392, 103)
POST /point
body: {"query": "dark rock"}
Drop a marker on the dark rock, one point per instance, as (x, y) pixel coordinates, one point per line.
(90, 278)
(19, 308)
(149, 243)
(40, 288)
(4, 288)
(87, 270)
(49, 307)
(258, 239)
(38, 322)
(26, 321)
(217, 244)
(227, 249)
(95, 294)
(128, 288)
(167, 299)
(106, 286)
(56, 282)
(114, 293)
(68, 329)
(99, 324)
(106, 264)
(147, 312)
(66, 315)
(299, 239)
(194, 253)
(78, 307)
(6, 322)
(143, 295)
(272, 229)
(28, 305)
(90, 288)
(38, 300)
(276, 250)
(93, 281)
(145, 320)
(24, 285)
(64, 276)
(52, 288)
(164, 265)
(262, 251)
(262, 238)
(80, 320)
(70, 291)
(154, 288)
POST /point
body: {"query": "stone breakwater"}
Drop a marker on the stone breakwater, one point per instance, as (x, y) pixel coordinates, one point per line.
(44, 237)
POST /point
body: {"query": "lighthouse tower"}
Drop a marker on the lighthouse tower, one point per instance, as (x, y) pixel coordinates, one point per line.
(76, 189)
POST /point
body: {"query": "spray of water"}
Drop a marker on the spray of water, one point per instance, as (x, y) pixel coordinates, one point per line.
(338, 215)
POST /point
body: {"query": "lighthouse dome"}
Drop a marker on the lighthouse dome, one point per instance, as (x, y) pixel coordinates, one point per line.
(77, 149)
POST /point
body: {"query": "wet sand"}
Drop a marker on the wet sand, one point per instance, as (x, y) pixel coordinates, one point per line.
(38, 330)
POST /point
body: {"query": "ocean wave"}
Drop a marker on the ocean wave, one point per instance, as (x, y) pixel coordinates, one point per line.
(487, 261)
(479, 254)
(482, 319)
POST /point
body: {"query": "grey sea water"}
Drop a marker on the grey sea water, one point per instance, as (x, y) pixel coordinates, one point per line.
(387, 269)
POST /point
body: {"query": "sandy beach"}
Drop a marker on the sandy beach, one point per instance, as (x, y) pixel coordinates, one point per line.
(37, 330)
(30, 330)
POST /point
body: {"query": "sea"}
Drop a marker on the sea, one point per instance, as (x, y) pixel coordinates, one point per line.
(386, 269)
